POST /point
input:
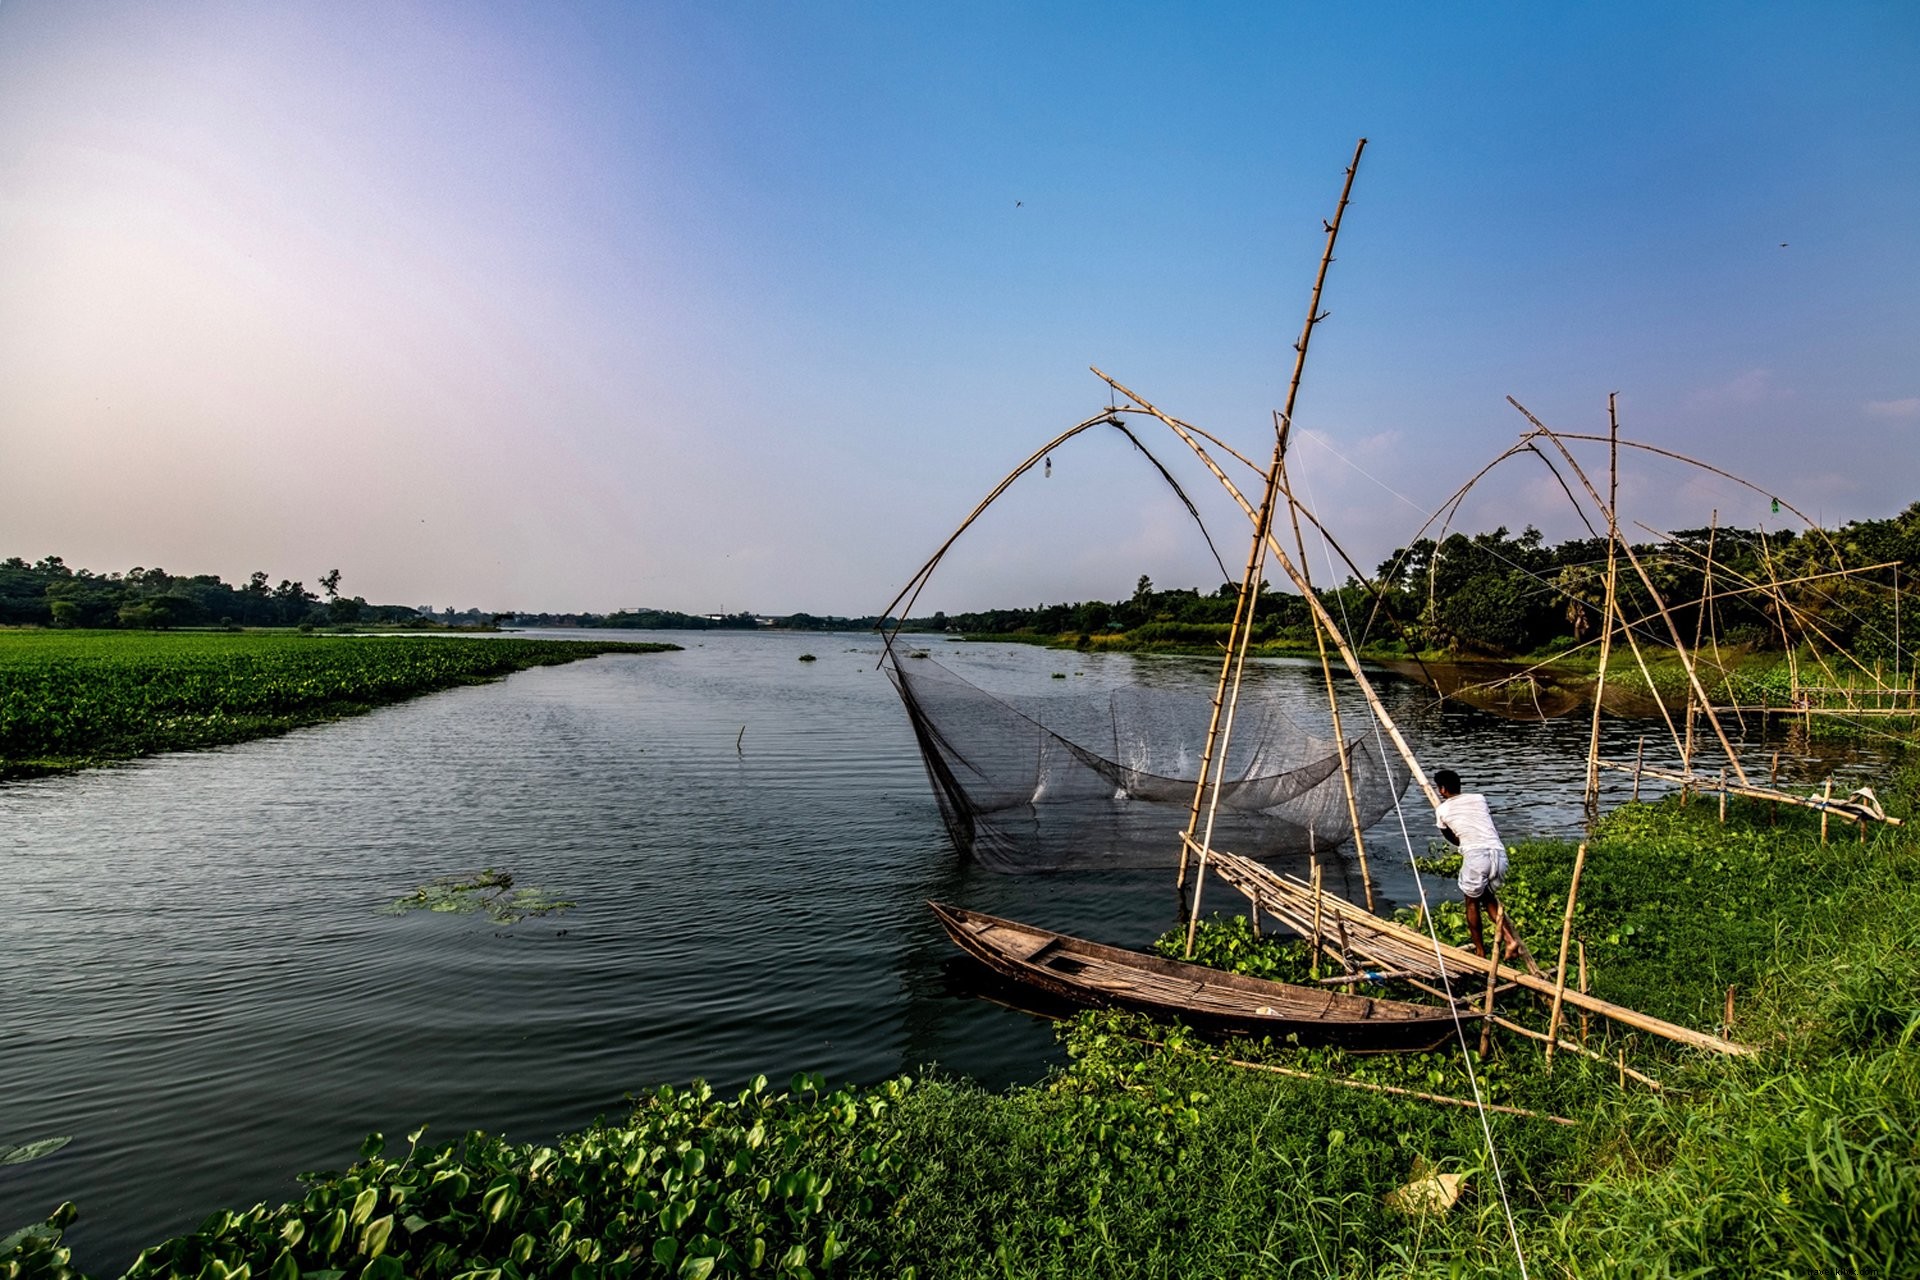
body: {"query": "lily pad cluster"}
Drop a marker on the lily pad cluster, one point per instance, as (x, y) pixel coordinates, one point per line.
(491, 891)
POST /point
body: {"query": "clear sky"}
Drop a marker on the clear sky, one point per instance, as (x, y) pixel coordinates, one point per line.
(719, 306)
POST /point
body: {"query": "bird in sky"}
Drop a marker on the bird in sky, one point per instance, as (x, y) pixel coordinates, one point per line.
(1018, 203)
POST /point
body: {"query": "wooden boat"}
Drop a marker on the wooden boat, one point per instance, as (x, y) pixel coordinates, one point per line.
(1086, 972)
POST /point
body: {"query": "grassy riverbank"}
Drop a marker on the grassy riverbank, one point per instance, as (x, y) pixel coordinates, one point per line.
(1163, 1159)
(72, 699)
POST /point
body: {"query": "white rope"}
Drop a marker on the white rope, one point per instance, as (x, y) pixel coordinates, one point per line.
(1433, 933)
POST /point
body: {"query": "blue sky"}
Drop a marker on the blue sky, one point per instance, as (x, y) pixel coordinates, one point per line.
(743, 306)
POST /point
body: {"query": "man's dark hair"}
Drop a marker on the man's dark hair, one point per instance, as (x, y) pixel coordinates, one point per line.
(1446, 780)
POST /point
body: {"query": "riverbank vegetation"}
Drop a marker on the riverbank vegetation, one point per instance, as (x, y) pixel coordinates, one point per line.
(1152, 1154)
(1496, 594)
(71, 699)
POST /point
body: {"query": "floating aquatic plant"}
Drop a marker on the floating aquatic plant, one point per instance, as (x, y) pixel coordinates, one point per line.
(491, 891)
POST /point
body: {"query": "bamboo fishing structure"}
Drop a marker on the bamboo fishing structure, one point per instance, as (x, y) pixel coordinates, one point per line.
(1365, 947)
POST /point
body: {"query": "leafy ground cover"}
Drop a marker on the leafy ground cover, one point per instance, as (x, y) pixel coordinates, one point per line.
(1153, 1154)
(70, 699)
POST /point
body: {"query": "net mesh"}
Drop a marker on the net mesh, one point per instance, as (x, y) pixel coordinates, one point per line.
(1075, 782)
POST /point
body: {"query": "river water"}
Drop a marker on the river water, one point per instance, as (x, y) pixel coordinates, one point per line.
(199, 986)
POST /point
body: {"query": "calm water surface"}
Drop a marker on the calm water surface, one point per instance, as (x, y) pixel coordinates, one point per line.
(198, 984)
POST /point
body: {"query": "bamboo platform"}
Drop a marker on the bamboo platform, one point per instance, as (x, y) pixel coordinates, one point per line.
(1293, 903)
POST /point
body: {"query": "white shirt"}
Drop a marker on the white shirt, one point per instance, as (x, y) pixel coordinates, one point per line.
(1468, 818)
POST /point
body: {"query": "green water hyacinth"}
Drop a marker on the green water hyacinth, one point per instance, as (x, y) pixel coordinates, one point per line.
(493, 892)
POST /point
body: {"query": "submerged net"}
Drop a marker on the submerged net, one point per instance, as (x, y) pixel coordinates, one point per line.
(1105, 781)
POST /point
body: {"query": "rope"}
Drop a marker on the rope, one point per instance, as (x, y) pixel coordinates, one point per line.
(1446, 981)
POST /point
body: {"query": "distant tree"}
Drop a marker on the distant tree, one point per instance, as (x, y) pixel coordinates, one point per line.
(330, 583)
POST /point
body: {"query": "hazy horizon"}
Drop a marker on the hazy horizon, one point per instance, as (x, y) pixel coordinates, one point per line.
(725, 308)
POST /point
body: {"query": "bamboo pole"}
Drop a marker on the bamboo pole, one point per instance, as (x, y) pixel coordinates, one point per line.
(1493, 978)
(1729, 1022)
(1566, 935)
(1213, 758)
(1582, 943)
(1773, 783)
(1509, 1025)
(1699, 628)
(1333, 701)
(1262, 536)
(1723, 797)
(1638, 756)
(1606, 635)
(1346, 952)
(1318, 903)
(1398, 1091)
(1826, 798)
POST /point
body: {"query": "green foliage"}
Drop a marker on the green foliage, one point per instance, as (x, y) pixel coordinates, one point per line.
(774, 1184)
(69, 699)
(493, 892)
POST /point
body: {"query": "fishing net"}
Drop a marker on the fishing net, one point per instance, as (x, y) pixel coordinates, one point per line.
(1082, 782)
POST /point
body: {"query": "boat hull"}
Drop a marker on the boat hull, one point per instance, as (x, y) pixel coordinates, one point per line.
(1091, 974)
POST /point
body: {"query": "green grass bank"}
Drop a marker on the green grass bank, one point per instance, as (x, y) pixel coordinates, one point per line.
(73, 699)
(1153, 1155)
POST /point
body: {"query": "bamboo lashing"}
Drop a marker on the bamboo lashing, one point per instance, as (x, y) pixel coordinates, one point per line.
(1566, 936)
(1383, 943)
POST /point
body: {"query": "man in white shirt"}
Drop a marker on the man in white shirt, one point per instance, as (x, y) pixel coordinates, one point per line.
(1465, 821)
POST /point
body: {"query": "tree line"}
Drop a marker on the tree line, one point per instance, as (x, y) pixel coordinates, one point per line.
(48, 592)
(1500, 594)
